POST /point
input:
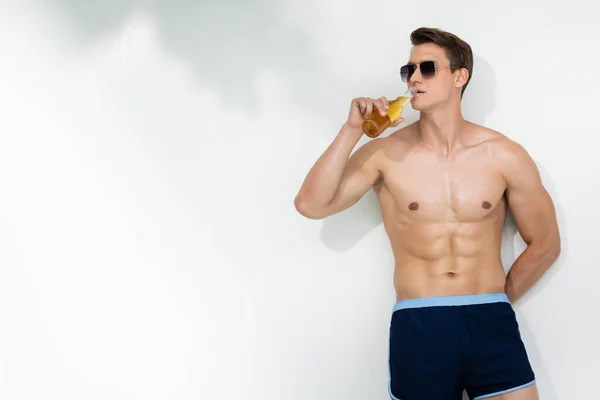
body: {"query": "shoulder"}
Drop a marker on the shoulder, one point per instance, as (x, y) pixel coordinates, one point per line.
(510, 157)
(403, 139)
(398, 145)
(382, 148)
(407, 133)
(501, 147)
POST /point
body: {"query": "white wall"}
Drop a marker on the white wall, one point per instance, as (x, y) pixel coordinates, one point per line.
(149, 157)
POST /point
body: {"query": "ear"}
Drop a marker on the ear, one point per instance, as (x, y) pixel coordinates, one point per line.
(461, 77)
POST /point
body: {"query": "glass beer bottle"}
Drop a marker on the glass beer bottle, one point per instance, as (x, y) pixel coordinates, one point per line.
(377, 123)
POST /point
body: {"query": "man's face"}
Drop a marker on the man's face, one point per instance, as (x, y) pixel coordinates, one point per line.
(436, 90)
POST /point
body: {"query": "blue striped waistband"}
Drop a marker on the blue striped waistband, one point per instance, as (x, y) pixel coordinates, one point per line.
(451, 301)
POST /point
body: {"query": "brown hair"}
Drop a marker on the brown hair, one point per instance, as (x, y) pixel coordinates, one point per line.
(457, 50)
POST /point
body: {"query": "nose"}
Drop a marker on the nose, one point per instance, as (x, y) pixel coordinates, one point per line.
(416, 77)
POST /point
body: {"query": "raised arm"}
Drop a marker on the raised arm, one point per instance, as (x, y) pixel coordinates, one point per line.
(338, 179)
(535, 217)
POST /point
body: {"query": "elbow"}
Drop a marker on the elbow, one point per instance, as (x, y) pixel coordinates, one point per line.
(555, 246)
(305, 209)
(556, 249)
(552, 250)
(548, 249)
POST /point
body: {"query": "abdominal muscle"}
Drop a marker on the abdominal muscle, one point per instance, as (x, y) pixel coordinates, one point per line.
(446, 258)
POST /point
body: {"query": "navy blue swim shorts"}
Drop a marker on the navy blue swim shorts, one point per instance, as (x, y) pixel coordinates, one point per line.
(440, 346)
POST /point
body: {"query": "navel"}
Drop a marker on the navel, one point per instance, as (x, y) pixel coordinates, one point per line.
(413, 206)
(487, 205)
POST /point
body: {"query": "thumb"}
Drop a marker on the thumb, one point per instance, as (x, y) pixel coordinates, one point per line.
(398, 122)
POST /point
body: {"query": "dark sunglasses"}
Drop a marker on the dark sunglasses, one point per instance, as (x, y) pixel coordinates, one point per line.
(427, 68)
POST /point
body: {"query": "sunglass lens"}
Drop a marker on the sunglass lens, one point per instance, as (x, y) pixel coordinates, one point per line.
(406, 72)
(427, 69)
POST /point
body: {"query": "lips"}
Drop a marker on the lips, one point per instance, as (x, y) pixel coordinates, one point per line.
(416, 92)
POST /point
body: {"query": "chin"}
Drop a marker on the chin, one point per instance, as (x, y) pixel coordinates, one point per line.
(424, 106)
(419, 105)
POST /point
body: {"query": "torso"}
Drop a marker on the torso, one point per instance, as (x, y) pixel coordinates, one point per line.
(443, 215)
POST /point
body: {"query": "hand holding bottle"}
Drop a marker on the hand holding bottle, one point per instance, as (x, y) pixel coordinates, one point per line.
(363, 108)
(375, 116)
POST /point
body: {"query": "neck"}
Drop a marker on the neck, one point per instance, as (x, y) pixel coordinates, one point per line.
(441, 129)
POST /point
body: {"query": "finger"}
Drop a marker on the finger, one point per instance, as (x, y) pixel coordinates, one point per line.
(369, 107)
(398, 122)
(380, 105)
(360, 104)
(385, 103)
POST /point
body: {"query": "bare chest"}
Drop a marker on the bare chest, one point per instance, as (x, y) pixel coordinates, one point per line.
(465, 191)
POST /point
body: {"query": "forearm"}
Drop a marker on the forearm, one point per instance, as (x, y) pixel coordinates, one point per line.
(528, 268)
(323, 180)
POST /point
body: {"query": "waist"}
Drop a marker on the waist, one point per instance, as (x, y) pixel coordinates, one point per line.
(448, 278)
(448, 301)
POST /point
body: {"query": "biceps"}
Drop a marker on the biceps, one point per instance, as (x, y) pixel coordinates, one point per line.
(354, 185)
(534, 213)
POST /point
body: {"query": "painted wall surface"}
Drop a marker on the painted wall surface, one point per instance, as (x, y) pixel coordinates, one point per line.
(150, 153)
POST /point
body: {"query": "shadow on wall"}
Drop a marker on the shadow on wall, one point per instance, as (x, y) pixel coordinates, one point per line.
(479, 99)
(342, 231)
(228, 43)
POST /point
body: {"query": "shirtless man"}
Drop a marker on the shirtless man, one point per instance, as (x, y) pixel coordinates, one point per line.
(444, 185)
